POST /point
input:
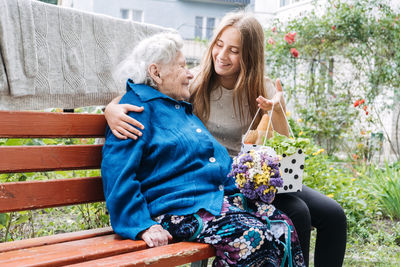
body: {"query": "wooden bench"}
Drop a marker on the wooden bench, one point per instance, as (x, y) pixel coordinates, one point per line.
(87, 248)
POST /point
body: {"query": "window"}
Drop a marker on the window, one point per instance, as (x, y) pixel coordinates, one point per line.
(124, 13)
(133, 14)
(210, 27)
(137, 15)
(203, 27)
(284, 3)
(198, 27)
(287, 2)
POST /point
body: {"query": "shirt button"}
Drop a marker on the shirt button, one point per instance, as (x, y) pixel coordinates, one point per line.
(221, 187)
(198, 130)
(177, 106)
(212, 159)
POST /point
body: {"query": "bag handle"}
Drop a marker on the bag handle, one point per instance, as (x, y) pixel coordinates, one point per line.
(269, 122)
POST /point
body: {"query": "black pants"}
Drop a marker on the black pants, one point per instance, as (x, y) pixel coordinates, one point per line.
(311, 208)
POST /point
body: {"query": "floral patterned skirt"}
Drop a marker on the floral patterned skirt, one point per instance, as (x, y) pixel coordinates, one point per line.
(246, 233)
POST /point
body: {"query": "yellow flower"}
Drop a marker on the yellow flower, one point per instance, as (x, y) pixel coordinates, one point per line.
(331, 168)
(330, 195)
(299, 120)
(288, 113)
(353, 179)
(318, 152)
(265, 167)
(260, 179)
(249, 164)
(240, 179)
(300, 133)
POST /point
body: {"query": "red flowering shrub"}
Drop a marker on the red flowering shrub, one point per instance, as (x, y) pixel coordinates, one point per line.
(289, 37)
(294, 52)
(360, 102)
(271, 41)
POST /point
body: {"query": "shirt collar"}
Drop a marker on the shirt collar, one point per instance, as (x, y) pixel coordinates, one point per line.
(147, 93)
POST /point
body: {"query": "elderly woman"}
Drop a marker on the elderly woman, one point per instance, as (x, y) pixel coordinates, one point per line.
(172, 182)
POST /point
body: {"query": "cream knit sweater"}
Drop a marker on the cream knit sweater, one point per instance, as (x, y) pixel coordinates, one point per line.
(52, 56)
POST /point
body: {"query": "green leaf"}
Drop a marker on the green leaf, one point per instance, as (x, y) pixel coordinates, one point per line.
(22, 219)
(284, 145)
(4, 218)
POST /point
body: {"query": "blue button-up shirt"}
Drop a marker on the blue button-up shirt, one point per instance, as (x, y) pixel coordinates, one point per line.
(176, 167)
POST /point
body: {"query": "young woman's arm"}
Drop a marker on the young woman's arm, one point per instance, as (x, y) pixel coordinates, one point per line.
(279, 121)
(120, 123)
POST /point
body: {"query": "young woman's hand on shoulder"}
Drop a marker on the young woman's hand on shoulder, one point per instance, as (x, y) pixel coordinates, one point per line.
(119, 122)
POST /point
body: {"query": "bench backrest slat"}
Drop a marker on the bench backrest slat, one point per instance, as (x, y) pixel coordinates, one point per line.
(27, 195)
(50, 193)
(49, 158)
(50, 124)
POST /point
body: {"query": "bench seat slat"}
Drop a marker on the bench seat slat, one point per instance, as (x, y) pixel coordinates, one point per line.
(71, 252)
(18, 124)
(49, 158)
(54, 239)
(170, 255)
(29, 195)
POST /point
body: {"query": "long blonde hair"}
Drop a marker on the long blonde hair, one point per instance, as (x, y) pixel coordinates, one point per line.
(250, 83)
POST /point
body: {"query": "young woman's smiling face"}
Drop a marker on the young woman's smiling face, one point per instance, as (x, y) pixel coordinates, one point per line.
(226, 54)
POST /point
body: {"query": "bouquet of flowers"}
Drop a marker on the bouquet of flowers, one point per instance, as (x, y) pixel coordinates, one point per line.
(291, 152)
(257, 174)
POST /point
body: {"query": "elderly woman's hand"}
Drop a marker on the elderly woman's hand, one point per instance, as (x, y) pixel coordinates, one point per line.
(120, 123)
(155, 236)
(267, 104)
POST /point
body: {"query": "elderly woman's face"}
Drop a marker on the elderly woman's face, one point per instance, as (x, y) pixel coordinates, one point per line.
(175, 78)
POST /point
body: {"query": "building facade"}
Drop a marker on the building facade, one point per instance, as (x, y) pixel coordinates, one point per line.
(193, 19)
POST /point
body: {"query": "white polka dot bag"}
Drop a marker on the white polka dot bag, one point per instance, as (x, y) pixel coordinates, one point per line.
(292, 158)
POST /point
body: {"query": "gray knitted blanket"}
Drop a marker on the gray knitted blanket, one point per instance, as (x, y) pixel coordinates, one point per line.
(52, 56)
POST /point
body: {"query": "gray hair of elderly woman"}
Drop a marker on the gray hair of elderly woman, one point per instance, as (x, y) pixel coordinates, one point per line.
(160, 48)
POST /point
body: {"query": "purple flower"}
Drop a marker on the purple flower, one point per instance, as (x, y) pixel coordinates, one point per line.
(248, 190)
(268, 197)
(276, 181)
(260, 190)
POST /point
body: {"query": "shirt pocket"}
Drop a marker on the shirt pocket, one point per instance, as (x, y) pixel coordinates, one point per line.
(195, 143)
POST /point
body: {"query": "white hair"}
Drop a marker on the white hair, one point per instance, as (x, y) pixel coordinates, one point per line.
(161, 48)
